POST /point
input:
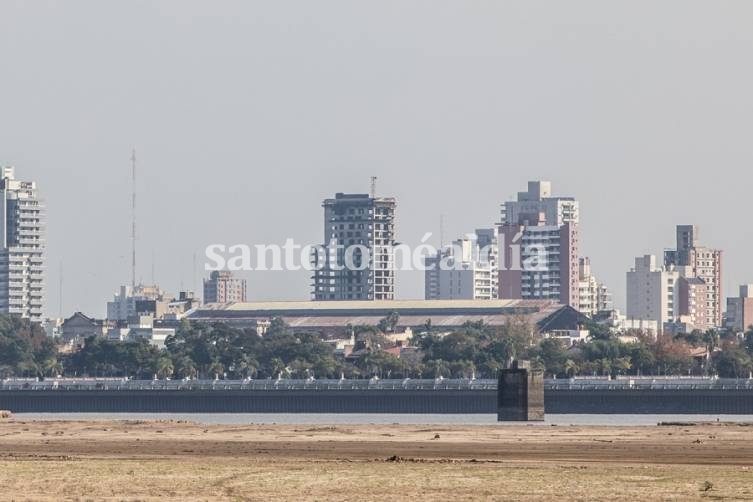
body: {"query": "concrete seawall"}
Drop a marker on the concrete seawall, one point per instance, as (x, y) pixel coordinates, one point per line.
(270, 401)
(655, 401)
(701, 401)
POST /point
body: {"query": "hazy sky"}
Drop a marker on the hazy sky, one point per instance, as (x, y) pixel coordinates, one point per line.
(245, 115)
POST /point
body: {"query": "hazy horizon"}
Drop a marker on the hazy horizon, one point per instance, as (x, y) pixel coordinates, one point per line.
(246, 115)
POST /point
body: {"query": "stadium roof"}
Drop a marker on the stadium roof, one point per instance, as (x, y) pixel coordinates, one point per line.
(314, 315)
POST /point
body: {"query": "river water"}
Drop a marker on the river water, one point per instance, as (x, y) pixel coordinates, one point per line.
(365, 419)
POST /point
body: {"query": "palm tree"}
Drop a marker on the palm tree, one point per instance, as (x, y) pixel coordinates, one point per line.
(605, 366)
(439, 368)
(249, 366)
(187, 368)
(372, 363)
(52, 367)
(571, 368)
(427, 326)
(165, 367)
(389, 323)
(466, 369)
(216, 369)
(711, 337)
(623, 364)
(277, 366)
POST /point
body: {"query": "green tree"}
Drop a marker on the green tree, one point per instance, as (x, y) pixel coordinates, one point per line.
(216, 370)
(571, 368)
(437, 368)
(389, 323)
(277, 366)
(186, 368)
(748, 340)
(553, 355)
(165, 367)
(733, 362)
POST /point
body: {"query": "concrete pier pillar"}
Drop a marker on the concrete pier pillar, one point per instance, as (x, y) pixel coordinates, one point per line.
(520, 394)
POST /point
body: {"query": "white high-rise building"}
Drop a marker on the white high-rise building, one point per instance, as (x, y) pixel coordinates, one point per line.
(594, 297)
(471, 273)
(652, 291)
(22, 248)
(539, 225)
(703, 263)
(538, 201)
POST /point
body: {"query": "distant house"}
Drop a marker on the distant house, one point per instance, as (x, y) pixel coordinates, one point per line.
(569, 336)
(356, 355)
(141, 327)
(700, 355)
(343, 347)
(565, 319)
(79, 327)
(400, 339)
(566, 324)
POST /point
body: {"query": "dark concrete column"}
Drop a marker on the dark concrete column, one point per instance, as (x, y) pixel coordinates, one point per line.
(520, 394)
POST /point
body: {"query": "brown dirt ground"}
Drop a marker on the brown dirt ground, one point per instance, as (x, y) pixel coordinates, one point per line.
(145, 460)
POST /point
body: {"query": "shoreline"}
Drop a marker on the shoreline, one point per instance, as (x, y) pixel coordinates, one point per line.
(356, 419)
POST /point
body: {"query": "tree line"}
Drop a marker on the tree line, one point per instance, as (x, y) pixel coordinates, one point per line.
(475, 350)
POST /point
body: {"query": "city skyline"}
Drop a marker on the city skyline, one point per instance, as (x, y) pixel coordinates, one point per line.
(539, 194)
(215, 153)
(338, 250)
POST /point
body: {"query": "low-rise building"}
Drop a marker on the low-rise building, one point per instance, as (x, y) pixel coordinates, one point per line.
(569, 337)
(400, 339)
(79, 327)
(141, 300)
(52, 326)
(141, 327)
(179, 307)
(343, 347)
(681, 325)
(618, 323)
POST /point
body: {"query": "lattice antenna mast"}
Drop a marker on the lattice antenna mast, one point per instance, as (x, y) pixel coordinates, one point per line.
(60, 290)
(133, 218)
(373, 187)
(441, 231)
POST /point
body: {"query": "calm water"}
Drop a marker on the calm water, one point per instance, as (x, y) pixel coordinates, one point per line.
(353, 419)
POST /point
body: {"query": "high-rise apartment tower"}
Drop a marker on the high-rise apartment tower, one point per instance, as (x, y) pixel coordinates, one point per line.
(22, 248)
(353, 224)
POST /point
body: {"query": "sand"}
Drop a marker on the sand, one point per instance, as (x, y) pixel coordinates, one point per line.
(149, 460)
